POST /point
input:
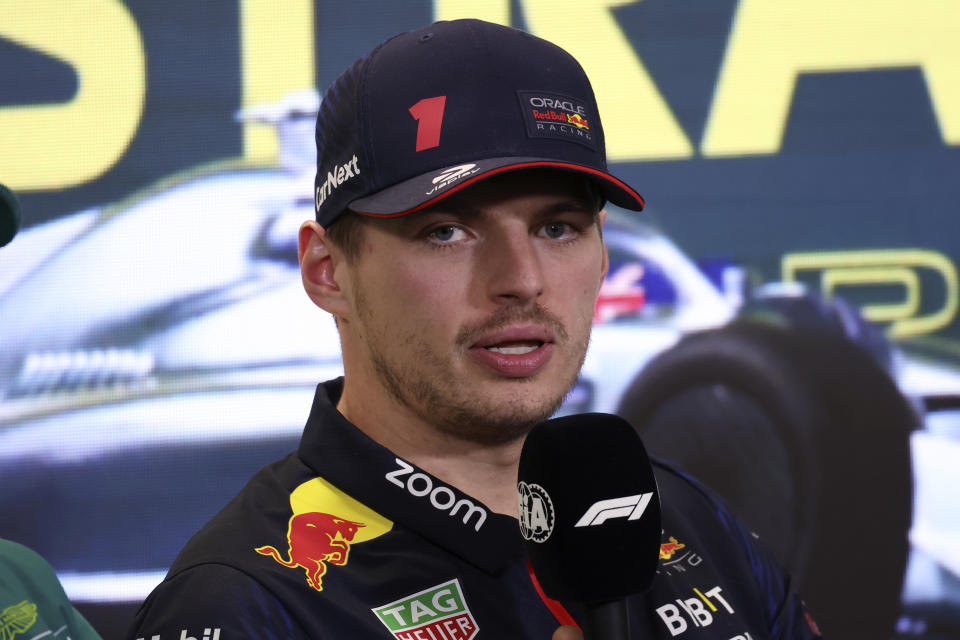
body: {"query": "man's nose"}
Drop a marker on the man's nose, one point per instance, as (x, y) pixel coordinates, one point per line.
(515, 268)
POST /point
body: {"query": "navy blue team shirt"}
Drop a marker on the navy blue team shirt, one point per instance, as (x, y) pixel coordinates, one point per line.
(342, 539)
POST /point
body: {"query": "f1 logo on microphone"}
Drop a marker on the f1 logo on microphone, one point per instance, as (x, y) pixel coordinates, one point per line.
(630, 507)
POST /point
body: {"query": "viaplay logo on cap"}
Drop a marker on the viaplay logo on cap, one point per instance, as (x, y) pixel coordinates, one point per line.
(437, 613)
(451, 175)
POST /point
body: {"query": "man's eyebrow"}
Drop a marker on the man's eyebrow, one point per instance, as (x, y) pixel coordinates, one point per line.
(457, 208)
(467, 210)
(571, 204)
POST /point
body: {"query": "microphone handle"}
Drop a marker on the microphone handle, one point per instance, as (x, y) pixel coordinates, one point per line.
(606, 621)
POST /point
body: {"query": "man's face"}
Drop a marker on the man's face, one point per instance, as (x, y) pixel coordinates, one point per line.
(475, 314)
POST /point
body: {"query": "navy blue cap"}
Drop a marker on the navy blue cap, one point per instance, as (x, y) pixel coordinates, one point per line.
(432, 111)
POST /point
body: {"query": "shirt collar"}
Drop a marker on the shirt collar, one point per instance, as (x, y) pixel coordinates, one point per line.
(342, 454)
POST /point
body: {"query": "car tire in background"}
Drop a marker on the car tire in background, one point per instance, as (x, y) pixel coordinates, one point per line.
(806, 436)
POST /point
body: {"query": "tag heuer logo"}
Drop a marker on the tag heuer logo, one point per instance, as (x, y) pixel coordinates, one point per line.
(437, 613)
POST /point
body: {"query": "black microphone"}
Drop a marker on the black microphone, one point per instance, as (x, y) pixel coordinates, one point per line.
(590, 513)
(9, 215)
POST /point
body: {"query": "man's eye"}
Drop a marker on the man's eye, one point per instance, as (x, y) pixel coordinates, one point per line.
(446, 233)
(556, 229)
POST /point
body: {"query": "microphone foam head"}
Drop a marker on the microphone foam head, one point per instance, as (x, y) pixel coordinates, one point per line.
(589, 508)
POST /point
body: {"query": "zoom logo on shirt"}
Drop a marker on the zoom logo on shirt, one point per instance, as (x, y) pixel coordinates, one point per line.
(441, 497)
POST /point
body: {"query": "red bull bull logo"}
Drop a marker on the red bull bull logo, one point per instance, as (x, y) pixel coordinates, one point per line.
(314, 539)
(578, 120)
(667, 549)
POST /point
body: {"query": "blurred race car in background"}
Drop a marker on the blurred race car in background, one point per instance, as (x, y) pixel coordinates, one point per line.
(156, 352)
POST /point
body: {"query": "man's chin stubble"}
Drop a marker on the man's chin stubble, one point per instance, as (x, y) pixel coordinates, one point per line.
(477, 422)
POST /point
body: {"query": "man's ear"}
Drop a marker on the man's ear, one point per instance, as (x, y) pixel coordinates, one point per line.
(605, 265)
(318, 269)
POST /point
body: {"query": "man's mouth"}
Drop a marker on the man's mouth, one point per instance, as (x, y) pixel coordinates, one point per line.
(515, 352)
(518, 348)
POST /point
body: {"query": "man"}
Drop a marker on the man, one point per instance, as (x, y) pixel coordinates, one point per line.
(460, 181)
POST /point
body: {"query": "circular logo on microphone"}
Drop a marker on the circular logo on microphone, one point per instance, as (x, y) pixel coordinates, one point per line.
(535, 511)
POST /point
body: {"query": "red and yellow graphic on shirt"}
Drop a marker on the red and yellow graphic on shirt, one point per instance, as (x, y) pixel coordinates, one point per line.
(324, 525)
(667, 549)
(578, 120)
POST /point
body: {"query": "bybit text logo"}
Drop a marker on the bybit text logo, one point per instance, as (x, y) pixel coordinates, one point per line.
(699, 611)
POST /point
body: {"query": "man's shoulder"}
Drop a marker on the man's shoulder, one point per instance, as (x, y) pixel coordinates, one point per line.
(685, 493)
(704, 545)
(260, 509)
(208, 601)
(692, 508)
(213, 584)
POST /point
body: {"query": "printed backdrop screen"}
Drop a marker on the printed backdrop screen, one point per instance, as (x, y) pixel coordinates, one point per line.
(156, 347)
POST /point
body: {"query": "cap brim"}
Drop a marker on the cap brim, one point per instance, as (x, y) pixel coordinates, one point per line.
(427, 189)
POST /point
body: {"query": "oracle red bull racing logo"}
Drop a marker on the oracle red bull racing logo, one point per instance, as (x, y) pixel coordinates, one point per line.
(549, 115)
(667, 549)
(676, 557)
(314, 540)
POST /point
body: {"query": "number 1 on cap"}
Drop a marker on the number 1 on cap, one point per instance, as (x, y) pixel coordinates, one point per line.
(429, 116)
